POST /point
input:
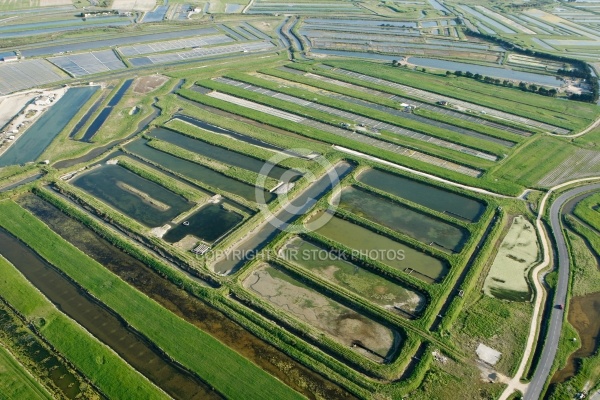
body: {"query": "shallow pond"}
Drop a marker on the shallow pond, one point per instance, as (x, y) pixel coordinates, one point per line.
(380, 248)
(138, 198)
(427, 229)
(329, 266)
(208, 224)
(343, 324)
(195, 171)
(584, 315)
(426, 195)
(218, 153)
(504, 73)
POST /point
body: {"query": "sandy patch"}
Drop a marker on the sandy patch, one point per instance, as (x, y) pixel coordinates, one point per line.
(487, 354)
(10, 105)
(187, 243)
(160, 231)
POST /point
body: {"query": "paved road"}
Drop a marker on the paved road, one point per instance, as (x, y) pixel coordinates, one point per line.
(542, 371)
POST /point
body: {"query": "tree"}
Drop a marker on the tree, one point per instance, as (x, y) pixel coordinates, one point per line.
(458, 73)
(477, 76)
(505, 82)
(448, 73)
(395, 63)
(523, 86)
(469, 74)
(552, 92)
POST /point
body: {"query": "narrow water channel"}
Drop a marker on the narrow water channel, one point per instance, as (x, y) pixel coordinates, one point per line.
(101, 323)
(193, 310)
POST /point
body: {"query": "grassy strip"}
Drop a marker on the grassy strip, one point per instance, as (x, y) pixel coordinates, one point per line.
(106, 369)
(589, 235)
(231, 171)
(374, 114)
(15, 381)
(475, 127)
(570, 115)
(589, 210)
(486, 130)
(585, 268)
(280, 138)
(228, 143)
(162, 179)
(232, 375)
(501, 186)
(334, 120)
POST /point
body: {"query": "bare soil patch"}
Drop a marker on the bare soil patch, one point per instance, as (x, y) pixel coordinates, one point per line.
(147, 84)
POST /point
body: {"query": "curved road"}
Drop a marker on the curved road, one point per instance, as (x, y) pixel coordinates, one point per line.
(542, 371)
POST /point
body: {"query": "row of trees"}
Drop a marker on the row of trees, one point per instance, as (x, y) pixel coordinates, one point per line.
(506, 83)
(583, 71)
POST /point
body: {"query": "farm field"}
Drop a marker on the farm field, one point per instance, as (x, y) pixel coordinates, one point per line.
(312, 199)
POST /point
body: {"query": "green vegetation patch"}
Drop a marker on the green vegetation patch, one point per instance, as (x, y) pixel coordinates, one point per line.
(588, 210)
(498, 324)
(525, 166)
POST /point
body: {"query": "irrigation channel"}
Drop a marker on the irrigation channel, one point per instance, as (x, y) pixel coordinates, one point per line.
(46, 362)
(103, 324)
(101, 118)
(289, 213)
(186, 306)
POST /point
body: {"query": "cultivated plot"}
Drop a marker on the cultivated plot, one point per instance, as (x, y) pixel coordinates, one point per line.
(88, 63)
(433, 97)
(583, 163)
